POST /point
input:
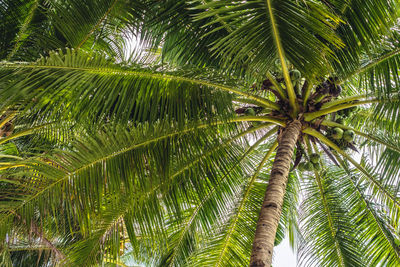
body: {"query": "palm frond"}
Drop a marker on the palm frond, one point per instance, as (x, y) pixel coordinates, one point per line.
(366, 23)
(16, 16)
(230, 242)
(92, 164)
(23, 29)
(27, 31)
(382, 190)
(387, 114)
(104, 240)
(329, 232)
(182, 40)
(101, 90)
(84, 23)
(194, 228)
(376, 235)
(251, 41)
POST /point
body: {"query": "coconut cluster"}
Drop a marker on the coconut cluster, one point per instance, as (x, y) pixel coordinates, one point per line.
(313, 163)
(342, 138)
(309, 100)
(324, 92)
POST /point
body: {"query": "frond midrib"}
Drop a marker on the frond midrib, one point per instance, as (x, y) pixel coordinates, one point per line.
(106, 70)
(244, 198)
(275, 33)
(370, 210)
(194, 161)
(116, 153)
(97, 25)
(23, 29)
(189, 222)
(373, 63)
(325, 140)
(330, 221)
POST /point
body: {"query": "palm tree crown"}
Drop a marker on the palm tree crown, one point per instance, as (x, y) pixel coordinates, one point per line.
(230, 126)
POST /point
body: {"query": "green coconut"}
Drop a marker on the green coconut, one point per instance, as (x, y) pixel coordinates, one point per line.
(309, 166)
(347, 112)
(317, 166)
(315, 157)
(348, 135)
(337, 133)
(250, 112)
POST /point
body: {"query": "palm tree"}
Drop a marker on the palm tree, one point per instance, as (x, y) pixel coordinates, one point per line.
(233, 126)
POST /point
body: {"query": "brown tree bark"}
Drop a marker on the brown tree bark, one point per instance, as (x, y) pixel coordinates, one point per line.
(263, 244)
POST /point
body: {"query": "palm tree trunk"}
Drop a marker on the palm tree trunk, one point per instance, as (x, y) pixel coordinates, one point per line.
(261, 255)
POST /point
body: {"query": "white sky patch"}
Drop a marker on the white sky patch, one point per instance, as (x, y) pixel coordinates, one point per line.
(284, 255)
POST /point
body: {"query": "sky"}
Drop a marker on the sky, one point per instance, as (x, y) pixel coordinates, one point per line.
(283, 255)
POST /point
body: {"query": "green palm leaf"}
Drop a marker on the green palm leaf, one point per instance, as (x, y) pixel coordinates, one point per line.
(160, 155)
(113, 91)
(327, 227)
(376, 235)
(252, 38)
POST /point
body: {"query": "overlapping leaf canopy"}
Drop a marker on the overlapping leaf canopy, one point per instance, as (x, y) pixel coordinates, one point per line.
(112, 161)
